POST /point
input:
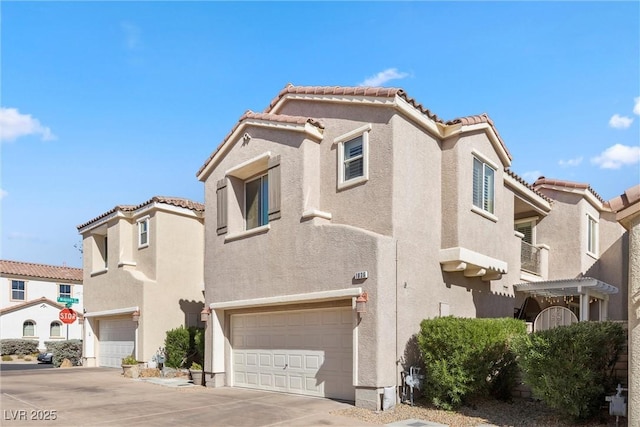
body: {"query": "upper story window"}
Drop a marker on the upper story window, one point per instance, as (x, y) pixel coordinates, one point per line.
(353, 157)
(143, 232)
(18, 290)
(64, 291)
(29, 328)
(256, 202)
(483, 186)
(248, 197)
(592, 235)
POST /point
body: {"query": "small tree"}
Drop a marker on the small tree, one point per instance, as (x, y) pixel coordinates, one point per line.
(177, 344)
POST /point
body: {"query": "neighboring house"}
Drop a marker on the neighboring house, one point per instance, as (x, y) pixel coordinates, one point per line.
(143, 276)
(339, 218)
(28, 301)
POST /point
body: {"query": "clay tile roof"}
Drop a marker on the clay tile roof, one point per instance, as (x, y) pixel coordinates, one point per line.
(526, 184)
(628, 198)
(173, 201)
(479, 119)
(281, 118)
(266, 116)
(42, 271)
(568, 184)
(379, 92)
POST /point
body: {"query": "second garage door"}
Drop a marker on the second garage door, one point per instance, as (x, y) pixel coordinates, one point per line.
(116, 340)
(304, 352)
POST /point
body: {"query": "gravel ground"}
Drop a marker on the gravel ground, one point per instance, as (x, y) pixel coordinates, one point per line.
(519, 413)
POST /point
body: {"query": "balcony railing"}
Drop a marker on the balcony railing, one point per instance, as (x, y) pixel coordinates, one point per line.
(530, 258)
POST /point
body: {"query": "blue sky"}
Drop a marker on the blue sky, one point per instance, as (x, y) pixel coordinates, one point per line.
(107, 103)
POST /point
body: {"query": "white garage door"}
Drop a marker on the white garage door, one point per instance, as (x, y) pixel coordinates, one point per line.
(304, 352)
(116, 340)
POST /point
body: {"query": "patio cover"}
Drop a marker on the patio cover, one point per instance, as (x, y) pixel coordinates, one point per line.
(585, 287)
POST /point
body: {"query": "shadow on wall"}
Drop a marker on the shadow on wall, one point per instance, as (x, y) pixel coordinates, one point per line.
(191, 310)
(487, 302)
(412, 356)
(612, 267)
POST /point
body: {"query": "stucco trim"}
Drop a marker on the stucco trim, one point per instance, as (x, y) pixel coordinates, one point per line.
(114, 312)
(471, 262)
(288, 299)
(250, 167)
(585, 192)
(100, 222)
(316, 213)
(247, 233)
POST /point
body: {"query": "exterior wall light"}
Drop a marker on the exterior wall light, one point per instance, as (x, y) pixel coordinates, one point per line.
(204, 314)
(135, 316)
(361, 303)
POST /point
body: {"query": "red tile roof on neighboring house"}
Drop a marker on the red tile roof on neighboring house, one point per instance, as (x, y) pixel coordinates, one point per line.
(568, 184)
(41, 300)
(173, 201)
(628, 198)
(41, 271)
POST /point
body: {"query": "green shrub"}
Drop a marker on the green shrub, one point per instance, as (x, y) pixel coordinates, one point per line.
(6, 358)
(196, 367)
(18, 346)
(177, 344)
(129, 360)
(68, 349)
(196, 345)
(464, 357)
(570, 368)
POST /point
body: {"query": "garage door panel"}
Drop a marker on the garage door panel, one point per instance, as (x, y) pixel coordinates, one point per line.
(307, 352)
(116, 340)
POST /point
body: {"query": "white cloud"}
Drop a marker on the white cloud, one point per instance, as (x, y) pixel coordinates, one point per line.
(132, 33)
(620, 122)
(13, 125)
(531, 176)
(570, 162)
(3, 193)
(636, 105)
(18, 235)
(616, 156)
(383, 77)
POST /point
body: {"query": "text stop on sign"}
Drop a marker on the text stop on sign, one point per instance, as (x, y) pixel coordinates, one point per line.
(67, 315)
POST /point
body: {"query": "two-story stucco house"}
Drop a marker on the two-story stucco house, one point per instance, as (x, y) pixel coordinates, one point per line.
(338, 219)
(143, 276)
(29, 307)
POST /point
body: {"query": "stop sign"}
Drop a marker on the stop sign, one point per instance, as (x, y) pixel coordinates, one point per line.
(67, 315)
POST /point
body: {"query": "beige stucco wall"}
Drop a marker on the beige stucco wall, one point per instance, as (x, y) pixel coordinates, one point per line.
(162, 279)
(390, 226)
(564, 230)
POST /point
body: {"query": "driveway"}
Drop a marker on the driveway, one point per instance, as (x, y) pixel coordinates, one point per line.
(102, 397)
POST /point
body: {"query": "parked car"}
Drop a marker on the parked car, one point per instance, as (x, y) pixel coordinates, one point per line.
(46, 357)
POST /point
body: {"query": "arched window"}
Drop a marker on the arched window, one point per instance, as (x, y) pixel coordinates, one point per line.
(29, 328)
(55, 330)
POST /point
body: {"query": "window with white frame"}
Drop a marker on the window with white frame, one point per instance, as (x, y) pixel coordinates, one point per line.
(256, 198)
(483, 185)
(353, 157)
(29, 328)
(64, 291)
(592, 235)
(143, 232)
(18, 290)
(55, 329)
